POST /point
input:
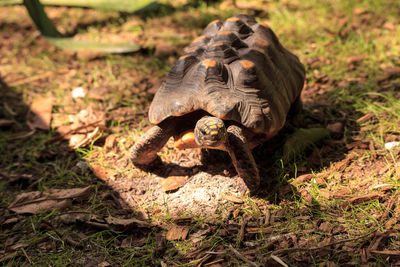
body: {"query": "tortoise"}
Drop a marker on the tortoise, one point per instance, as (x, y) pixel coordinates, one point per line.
(231, 90)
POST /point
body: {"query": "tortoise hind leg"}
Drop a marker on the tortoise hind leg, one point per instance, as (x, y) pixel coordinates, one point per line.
(242, 159)
(295, 108)
(144, 152)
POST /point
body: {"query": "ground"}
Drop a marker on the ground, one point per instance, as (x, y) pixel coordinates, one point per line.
(69, 194)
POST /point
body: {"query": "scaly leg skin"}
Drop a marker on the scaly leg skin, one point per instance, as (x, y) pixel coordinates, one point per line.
(144, 153)
(243, 160)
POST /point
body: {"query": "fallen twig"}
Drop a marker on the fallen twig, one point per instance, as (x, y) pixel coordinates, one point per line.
(72, 131)
(278, 260)
(26, 255)
(297, 249)
(243, 258)
(37, 77)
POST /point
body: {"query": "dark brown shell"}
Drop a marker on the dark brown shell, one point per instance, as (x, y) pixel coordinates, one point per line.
(236, 70)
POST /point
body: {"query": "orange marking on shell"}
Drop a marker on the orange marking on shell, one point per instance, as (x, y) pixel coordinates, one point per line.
(191, 49)
(186, 140)
(262, 42)
(247, 64)
(214, 21)
(201, 37)
(209, 63)
(217, 44)
(183, 57)
(233, 19)
(224, 32)
(265, 25)
(258, 50)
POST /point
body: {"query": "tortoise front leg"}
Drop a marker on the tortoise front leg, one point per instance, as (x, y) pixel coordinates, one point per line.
(144, 152)
(242, 159)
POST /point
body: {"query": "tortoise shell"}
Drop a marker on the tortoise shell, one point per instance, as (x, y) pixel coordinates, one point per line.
(236, 70)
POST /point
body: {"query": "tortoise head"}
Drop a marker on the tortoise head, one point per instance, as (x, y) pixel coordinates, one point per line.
(210, 131)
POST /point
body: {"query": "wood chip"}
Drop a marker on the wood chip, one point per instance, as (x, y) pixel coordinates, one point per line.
(357, 200)
(358, 144)
(365, 117)
(110, 141)
(234, 199)
(306, 195)
(301, 179)
(177, 232)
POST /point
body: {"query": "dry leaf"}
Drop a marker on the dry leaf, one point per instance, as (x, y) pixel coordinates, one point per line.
(109, 223)
(85, 127)
(36, 201)
(173, 183)
(177, 232)
(39, 115)
(125, 223)
(81, 140)
(100, 172)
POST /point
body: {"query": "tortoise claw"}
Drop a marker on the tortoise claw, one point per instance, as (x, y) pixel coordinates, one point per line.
(155, 164)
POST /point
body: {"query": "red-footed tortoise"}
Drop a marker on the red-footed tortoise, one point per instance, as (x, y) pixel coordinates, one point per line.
(231, 90)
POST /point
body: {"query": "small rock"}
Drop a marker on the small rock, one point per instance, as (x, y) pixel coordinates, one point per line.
(78, 92)
(336, 128)
(83, 166)
(391, 145)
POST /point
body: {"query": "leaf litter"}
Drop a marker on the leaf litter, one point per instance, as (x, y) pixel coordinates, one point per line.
(36, 201)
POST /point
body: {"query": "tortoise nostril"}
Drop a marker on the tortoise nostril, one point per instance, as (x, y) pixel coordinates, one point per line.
(203, 131)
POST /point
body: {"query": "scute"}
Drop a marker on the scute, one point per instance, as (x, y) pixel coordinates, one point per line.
(236, 70)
